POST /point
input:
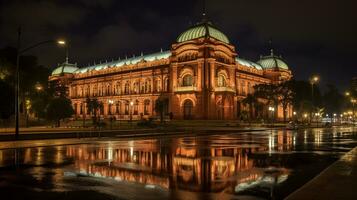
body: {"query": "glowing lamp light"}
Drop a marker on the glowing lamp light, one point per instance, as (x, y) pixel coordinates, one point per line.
(61, 42)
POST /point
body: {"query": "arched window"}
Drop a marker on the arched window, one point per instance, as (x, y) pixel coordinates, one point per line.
(187, 109)
(127, 108)
(136, 87)
(109, 108)
(147, 86)
(166, 85)
(221, 81)
(126, 89)
(187, 80)
(157, 85)
(117, 88)
(146, 106)
(117, 108)
(108, 89)
(136, 107)
(75, 108)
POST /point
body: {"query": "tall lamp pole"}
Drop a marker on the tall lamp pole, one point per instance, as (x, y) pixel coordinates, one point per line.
(313, 80)
(20, 51)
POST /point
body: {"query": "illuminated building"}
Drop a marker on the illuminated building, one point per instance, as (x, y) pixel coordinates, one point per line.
(202, 76)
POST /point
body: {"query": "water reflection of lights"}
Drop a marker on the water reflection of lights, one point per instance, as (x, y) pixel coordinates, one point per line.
(271, 143)
(318, 137)
(258, 177)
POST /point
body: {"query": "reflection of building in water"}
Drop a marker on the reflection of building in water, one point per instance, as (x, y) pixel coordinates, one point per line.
(187, 167)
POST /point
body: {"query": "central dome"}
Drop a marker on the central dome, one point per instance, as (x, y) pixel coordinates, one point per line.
(205, 29)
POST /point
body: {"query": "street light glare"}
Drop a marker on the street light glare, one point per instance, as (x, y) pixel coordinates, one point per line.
(61, 42)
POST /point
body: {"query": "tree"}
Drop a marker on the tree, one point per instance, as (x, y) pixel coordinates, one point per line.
(268, 92)
(6, 100)
(160, 105)
(59, 108)
(251, 101)
(93, 105)
(333, 100)
(285, 95)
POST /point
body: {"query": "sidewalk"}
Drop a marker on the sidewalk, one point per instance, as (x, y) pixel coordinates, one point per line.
(338, 181)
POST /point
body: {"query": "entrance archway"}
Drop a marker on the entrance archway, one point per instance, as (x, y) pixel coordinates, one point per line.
(187, 109)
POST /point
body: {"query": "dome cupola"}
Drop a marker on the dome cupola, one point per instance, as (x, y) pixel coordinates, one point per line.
(203, 29)
(272, 62)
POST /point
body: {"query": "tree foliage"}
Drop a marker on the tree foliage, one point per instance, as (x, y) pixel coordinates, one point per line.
(59, 108)
(93, 105)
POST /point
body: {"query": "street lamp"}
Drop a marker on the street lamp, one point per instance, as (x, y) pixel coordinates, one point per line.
(38, 87)
(20, 51)
(353, 101)
(313, 80)
(272, 109)
(110, 102)
(131, 112)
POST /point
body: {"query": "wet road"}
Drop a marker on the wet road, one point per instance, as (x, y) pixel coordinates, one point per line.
(256, 165)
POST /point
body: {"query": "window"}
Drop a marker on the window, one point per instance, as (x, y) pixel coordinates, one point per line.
(146, 107)
(81, 109)
(221, 80)
(127, 108)
(147, 86)
(166, 85)
(136, 87)
(136, 107)
(117, 88)
(109, 109)
(187, 80)
(157, 85)
(117, 108)
(95, 88)
(126, 89)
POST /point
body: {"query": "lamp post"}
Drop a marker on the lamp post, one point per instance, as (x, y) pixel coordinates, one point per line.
(20, 51)
(131, 112)
(313, 80)
(272, 109)
(353, 101)
(110, 102)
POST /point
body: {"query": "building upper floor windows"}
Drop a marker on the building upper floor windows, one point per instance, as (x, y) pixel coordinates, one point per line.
(221, 81)
(187, 80)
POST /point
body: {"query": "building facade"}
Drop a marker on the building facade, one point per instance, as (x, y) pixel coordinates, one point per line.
(200, 77)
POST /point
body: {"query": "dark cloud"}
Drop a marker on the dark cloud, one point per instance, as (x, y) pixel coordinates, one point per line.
(313, 36)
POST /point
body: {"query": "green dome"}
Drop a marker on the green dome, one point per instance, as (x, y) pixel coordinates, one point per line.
(272, 61)
(205, 29)
(65, 68)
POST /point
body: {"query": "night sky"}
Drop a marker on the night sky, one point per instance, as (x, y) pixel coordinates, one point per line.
(313, 36)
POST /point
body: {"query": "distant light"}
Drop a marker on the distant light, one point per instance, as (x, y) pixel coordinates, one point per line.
(334, 114)
(294, 113)
(131, 103)
(61, 42)
(305, 115)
